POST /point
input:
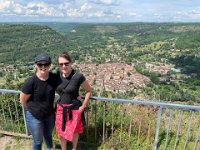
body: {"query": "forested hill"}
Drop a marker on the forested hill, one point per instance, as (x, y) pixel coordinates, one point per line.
(20, 43)
(171, 43)
(60, 27)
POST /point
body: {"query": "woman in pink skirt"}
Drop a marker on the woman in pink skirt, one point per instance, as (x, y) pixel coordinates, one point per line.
(69, 114)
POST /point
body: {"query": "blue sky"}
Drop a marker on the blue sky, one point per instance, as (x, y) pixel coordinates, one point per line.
(100, 11)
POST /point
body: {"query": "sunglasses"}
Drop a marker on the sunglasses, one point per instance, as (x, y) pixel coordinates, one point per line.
(65, 64)
(45, 65)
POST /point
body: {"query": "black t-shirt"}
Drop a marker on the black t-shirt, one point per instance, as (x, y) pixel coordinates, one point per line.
(40, 103)
(71, 91)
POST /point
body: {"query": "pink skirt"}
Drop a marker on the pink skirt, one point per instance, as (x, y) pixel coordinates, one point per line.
(72, 126)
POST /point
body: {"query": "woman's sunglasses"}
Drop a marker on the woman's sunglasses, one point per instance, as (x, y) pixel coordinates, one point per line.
(65, 64)
(45, 65)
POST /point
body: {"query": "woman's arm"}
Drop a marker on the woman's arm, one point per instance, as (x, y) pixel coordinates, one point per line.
(24, 98)
(85, 85)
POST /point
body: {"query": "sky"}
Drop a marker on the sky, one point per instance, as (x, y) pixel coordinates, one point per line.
(99, 11)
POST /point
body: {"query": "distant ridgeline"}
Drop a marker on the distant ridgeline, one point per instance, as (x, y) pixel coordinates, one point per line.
(172, 43)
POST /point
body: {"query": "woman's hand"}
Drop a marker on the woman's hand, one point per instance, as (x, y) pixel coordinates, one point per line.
(82, 108)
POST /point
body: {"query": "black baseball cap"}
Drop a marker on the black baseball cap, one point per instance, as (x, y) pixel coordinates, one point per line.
(42, 57)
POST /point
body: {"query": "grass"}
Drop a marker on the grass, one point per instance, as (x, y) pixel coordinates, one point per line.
(2, 81)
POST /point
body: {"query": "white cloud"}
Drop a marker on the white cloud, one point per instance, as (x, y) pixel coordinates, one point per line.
(97, 14)
(5, 4)
(132, 14)
(69, 11)
(118, 16)
(86, 7)
(18, 10)
(41, 9)
(74, 13)
(54, 1)
(64, 6)
(86, 10)
(100, 10)
(105, 2)
(37, 5)
(9, 8)
(195, 12)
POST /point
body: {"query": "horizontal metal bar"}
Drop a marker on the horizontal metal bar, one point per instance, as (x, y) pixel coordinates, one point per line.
(142, 102)
(149, 103)
(9, 91)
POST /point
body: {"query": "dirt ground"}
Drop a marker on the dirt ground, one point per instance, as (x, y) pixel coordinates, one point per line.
(13, 143)
(16, 143)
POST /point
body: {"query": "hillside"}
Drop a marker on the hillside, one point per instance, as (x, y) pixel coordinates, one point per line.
(20, 43)
(137, 41)
(150, 47)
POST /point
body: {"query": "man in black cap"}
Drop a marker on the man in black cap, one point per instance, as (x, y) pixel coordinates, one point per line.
(37, 96)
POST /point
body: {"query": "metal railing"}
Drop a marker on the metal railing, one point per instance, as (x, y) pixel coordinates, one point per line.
(120, 123)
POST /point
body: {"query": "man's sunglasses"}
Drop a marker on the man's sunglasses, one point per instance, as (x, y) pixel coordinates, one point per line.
(45, 65)
(65, 64)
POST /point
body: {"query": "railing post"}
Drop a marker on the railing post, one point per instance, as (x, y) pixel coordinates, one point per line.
(168, 127)
(104, 120)
(157, 128)
(112, 127)
(178, 130)
(197, 138)
(24, 115)
(95, 121)
(188, 131)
